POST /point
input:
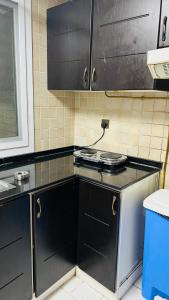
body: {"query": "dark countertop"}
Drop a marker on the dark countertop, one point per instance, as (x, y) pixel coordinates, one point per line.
(52, 169)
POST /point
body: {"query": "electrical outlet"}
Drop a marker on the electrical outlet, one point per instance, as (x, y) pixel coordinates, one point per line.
(105, 124)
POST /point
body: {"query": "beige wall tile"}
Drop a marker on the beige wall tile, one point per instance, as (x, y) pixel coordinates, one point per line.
(156, 143)
(133, 150)
(164, 144)
(51, 108)
(145, 129)
(144, 152)
(157, 130)
(163, 156)
(148, 105)
(167, 119)
(155, 154)
(136, 128)
(159, 118)
(144, 141)
(166, 131)
(160, 105)
(167, 105)
(147, 117)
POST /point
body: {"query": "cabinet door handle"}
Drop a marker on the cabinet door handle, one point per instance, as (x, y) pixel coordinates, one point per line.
(164, 29)
(94, 76)
(85, 78)
(38, 215)
(113, 206)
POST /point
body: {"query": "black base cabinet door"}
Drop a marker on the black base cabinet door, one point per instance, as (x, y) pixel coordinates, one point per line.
(15, 250)
(123, 32)
(55, 226)
(98, 232)
(69, 33)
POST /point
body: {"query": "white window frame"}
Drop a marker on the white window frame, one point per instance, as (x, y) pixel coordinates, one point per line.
(24, 142)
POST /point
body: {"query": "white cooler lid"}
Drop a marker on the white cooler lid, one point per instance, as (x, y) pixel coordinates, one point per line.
(158, 202)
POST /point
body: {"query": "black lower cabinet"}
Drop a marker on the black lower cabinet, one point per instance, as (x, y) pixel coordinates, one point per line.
(15, 250)
(99, 210)
(55, 233)
(75, 222)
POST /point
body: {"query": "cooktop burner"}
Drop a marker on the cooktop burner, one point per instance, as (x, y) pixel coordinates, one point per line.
(110, 155)
(88, 151)
(107, 161)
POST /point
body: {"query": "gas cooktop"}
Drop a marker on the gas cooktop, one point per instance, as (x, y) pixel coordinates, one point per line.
(107, 161)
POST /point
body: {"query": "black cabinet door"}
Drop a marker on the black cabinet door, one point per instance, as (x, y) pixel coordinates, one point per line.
(98, 232)
(15, 250)
(164, 26)
(123, 32)
(69, 33)
(55, 217)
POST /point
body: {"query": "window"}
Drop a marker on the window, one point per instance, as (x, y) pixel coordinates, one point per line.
(16, 91)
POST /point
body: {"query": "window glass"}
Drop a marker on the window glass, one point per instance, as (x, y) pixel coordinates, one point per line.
(8, 78)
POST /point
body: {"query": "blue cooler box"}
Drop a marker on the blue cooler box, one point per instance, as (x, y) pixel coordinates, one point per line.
(156, 246)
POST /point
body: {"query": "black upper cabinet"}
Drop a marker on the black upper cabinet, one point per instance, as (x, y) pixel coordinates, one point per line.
(123, 32)
(69, 34)
(54, 215)
(15, 250)
(99, 210)
(164, 28)
(102, 44)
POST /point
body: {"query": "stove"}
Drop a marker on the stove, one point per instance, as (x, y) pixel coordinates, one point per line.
(105, 161)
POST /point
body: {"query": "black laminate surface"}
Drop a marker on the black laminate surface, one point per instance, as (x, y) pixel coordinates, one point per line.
(52, 170)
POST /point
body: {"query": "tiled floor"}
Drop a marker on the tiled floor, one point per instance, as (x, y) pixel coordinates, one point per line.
(76, 289)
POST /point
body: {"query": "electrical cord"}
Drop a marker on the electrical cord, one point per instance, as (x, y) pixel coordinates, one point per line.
(96, 141)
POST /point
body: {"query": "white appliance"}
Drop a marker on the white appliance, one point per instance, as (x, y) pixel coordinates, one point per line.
(158, 63)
